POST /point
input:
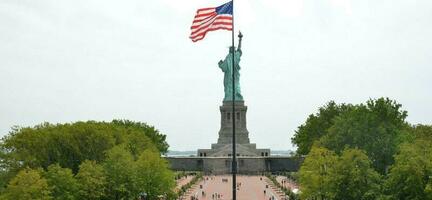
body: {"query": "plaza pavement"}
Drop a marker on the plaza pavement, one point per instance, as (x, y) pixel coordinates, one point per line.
(250, 188)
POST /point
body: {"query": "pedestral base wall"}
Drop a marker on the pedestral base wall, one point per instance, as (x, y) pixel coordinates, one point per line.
(223, 148)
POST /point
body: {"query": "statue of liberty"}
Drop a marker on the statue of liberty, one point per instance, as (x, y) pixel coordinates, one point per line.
(226, 66)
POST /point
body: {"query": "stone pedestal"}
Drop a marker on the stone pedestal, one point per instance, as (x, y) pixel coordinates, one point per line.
(225, 132)
(223, 147)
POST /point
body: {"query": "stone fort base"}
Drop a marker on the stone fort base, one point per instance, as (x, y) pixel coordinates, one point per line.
(246, 165)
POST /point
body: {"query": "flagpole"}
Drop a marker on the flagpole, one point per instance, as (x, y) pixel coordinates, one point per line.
(234, 161)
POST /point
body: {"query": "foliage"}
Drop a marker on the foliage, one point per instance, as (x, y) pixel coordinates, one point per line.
(70, 144)
(62, 182)
(316, 126)
(127, 178)
(411, 175)
(121, 174)
(157, 138)
(315, 174)
(347, 143)
(87, 160)
(197, 177)
(422, 132)
(290, 175)
(154, 177)
(179, 174)
(92, 179)
(374, 128)
(324, 175)
(354, 178)
(27, 184)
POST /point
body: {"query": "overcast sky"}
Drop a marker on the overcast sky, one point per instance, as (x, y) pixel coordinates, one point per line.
(66, 61)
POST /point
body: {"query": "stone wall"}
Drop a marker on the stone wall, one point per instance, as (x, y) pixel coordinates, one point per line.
(246, 165)
(186, 164)
(282, 164)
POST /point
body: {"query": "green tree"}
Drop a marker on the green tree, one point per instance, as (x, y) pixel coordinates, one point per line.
(136, 144)
(70, 144)
(325, 175)
(121, 174)
(62, 182)
(154, 176)
(422, 132)
(79, 147)
(428, 190)
(315, 174)
(158, 139)
(92, 181)
(411, 175)
(374, 128)
(316, 126)
(354, 178)
(27, 184)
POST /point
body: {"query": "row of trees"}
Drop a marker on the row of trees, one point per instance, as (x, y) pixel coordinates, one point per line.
(364, 151)
(85, 160)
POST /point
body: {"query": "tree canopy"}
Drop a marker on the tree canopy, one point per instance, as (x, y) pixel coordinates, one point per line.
(121, 174)
(411, 175)
(70, 144)
(325, 175)
(364, 151)
(316, 126)
(374, 127)
(315, 174)
(92, 179)
(85, 160)
(27, 184)
(152, 176)
(62, 181)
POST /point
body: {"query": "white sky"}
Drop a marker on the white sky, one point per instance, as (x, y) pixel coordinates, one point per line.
(64, 61)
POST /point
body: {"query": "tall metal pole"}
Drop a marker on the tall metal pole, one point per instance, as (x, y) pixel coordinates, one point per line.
(234, 154)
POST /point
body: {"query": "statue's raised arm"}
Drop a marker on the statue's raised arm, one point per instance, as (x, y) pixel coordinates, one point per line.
(240, 35)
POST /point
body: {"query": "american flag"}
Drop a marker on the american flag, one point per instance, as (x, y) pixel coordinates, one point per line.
(211, 19)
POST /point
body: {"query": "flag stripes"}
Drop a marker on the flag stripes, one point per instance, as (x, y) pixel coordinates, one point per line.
(211, 19)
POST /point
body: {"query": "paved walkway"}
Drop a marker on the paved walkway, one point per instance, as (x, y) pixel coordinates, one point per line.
(287, 183)
(250, 188)
(183, 181)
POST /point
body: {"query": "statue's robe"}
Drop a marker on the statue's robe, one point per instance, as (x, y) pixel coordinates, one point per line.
(226, 67)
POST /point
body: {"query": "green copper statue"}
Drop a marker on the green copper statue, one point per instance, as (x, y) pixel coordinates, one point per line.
(226, 66)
